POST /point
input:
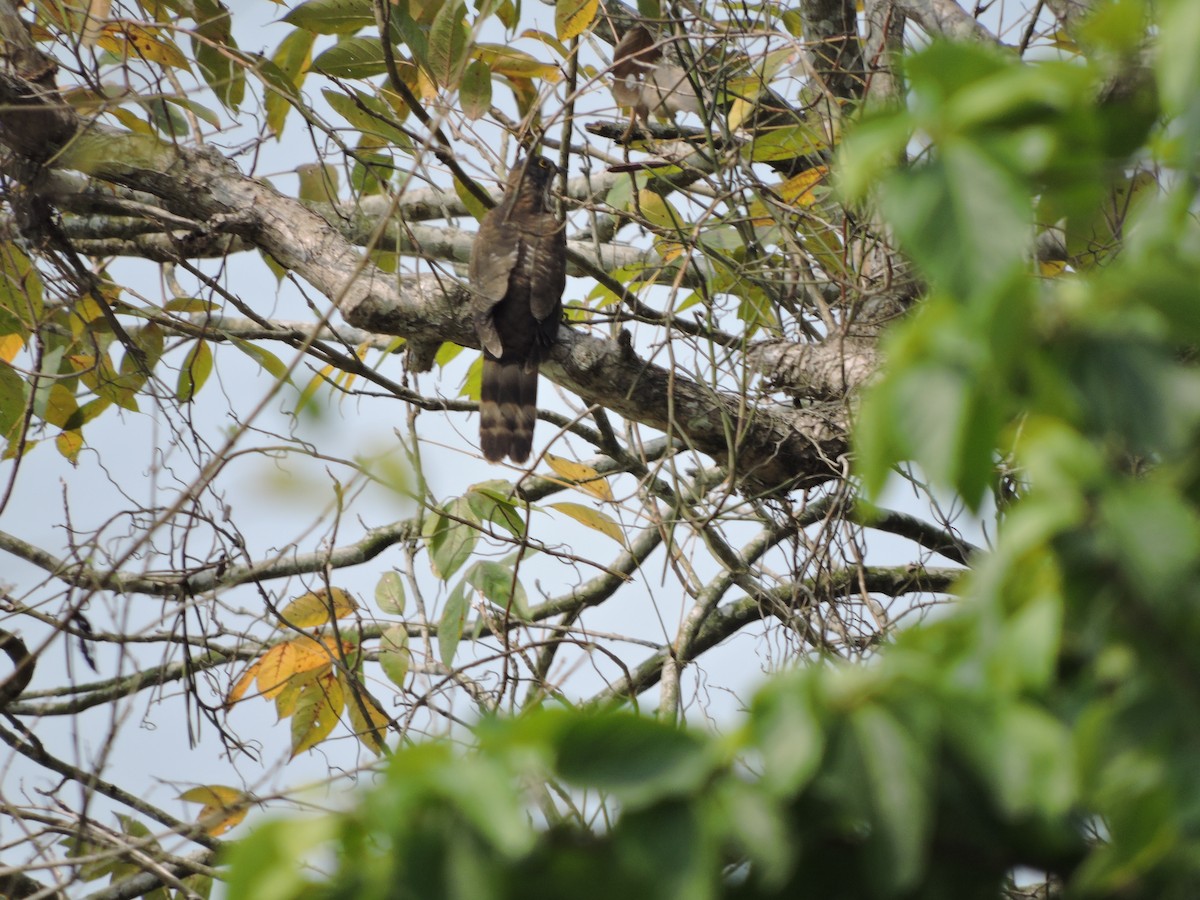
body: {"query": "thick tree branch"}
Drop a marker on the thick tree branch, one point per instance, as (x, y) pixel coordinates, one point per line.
(772, 450)
(945, 18)
(831, 29)
(827, 370)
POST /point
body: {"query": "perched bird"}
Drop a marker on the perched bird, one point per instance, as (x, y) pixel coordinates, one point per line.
(647, 81)
(517, 272)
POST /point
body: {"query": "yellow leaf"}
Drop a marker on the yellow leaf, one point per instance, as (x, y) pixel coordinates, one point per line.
(316, 712)
(513, 63)
(130, 120)
(572, 17)
(60, 405)
(593, 519)
(224, 806)
(584, 477)
(132, 40)
(548, 39)
(10, 346)
(739, 111)
(478, 210)
(69, 443)
(658, 211)
(313, 386)
(368, 721)
(318, 607)
(797, 190)
(669, 250)
(83, 312)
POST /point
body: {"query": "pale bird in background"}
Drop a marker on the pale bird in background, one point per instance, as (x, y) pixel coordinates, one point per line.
(647, 81)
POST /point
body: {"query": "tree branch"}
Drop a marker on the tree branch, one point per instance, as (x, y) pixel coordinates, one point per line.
(770, 450)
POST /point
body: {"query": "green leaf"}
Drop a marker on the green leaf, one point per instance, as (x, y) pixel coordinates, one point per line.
(472, 384)
(166, 118)
(292, 59)
(492, 502)
(265, 358)
(1177, 64)
(197, 366)
(965, 219)
(672, 831)
(500, 587)
(14, 394)
(788, 733)
(451, 538)
(756, 823)
(199, 111)
(787, 143)
(263, 864)
(356, 57)
(316, 714)
(452, 623)
(448, 41)
(873, 147)
(475, 91)
(636, 759)
(478, 210)
(394, 656)
(899, 779)
(332, 16)
(1156, 536)
(368, 114)
(389, 594)
(1023, 754)
(221, 72)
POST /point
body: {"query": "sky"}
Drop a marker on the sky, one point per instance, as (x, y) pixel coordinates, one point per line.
(136, 460)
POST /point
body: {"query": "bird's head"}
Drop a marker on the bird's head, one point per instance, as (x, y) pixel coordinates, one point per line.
(539, 171)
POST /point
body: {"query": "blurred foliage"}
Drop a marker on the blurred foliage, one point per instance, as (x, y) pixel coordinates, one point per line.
(1052, 719)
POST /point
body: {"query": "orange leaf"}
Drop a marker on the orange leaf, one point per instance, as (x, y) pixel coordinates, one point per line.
(10, 346)
(243, 684)
(276, 668)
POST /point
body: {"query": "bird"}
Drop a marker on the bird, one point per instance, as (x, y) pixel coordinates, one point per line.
(517, 273)
(645, 81)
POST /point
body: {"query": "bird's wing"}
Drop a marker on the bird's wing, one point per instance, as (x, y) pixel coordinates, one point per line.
(493, 257)
(548, 267)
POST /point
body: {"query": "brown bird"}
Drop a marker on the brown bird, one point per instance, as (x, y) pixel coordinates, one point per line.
(518, 270)
(647, 81)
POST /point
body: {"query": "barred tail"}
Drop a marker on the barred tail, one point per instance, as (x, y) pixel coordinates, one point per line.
(507, 409)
